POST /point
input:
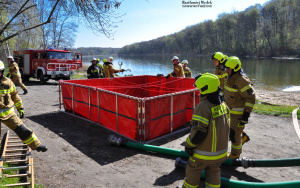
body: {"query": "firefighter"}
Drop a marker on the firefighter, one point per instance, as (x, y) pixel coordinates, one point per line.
(14, 74)
(101, 67)
(9, 99)
(109, 70)
(218, 59)
(207, 144)
(178, 69)
(240, 98)
(93, 70)
(186, 70)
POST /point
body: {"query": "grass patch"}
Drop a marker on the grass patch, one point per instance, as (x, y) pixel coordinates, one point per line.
(275, 110)
(4, 180)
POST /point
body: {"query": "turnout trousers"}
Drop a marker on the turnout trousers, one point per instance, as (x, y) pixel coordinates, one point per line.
(18, 80)
(236, 134)
(24, 133)
(211, 169)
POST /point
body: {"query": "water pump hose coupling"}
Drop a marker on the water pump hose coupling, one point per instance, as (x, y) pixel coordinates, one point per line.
(112, 140)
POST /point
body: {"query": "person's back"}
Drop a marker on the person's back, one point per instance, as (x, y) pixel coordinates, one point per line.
(109, 70)
(218, 128)
(207, 143)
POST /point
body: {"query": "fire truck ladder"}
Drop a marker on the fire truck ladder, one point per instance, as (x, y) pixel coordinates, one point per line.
(20, 162)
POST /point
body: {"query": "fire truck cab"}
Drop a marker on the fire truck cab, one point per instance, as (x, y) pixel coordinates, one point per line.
(47, 64)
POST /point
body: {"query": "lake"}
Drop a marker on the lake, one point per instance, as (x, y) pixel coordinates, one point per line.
(265, 73)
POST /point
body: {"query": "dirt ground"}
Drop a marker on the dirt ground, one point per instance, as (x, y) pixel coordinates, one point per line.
(80, 156)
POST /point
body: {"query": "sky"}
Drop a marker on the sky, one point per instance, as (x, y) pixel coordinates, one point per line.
(145, 20)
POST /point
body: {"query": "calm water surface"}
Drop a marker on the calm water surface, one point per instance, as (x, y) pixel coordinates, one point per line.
(266, 74)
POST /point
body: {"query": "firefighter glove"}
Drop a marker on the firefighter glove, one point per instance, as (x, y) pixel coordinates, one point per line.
(244, 118)
(168, 76)
(189, 150)
(21, 112)
(122, 70)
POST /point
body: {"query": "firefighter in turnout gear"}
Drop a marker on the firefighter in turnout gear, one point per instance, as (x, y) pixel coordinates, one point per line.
(14, 74)
(186, 70)
(101, 67)
(178, 69)
(240, 98)
(109, 70)
(10, 98)
(207, 143)
(218, 59)
(94, 71)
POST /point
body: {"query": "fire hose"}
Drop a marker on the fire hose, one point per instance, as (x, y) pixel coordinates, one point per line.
(229, 162)
(244, 162)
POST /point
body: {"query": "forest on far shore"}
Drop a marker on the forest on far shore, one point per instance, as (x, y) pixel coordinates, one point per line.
(95, 51)
(268, 30)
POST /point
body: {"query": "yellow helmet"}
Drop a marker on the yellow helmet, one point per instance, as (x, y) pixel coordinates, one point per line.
(207, 83)
(219, 56)
(2, 67)
(104, 60)
(234, 63)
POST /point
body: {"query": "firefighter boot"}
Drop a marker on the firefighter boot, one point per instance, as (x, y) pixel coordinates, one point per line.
(245, 138)
(41, 148)
(25, 92)
(231, 156)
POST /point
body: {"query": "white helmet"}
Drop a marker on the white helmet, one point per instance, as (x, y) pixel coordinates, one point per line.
(185, 62)
(94, 59)
(2, 67)
(10, 57)
(174, 58)
(110, 59)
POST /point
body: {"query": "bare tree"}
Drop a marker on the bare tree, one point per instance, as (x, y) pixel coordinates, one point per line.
(13, 22)
(98, 15)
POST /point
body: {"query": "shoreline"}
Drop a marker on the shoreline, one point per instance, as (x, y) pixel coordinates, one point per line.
(279, 97)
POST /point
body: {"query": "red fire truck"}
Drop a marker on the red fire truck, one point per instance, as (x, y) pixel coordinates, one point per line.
(47, 64)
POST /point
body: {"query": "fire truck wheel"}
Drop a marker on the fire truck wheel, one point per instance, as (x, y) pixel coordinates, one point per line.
(43, 79)
(25, 78)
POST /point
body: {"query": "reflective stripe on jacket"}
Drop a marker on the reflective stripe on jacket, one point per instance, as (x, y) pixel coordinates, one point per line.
(222, 75)
(109, 70)
(14, 68)
(213, 120)
(93, 71)
(187, 72)
(8, 98)
(178, 70)
(238, 93)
